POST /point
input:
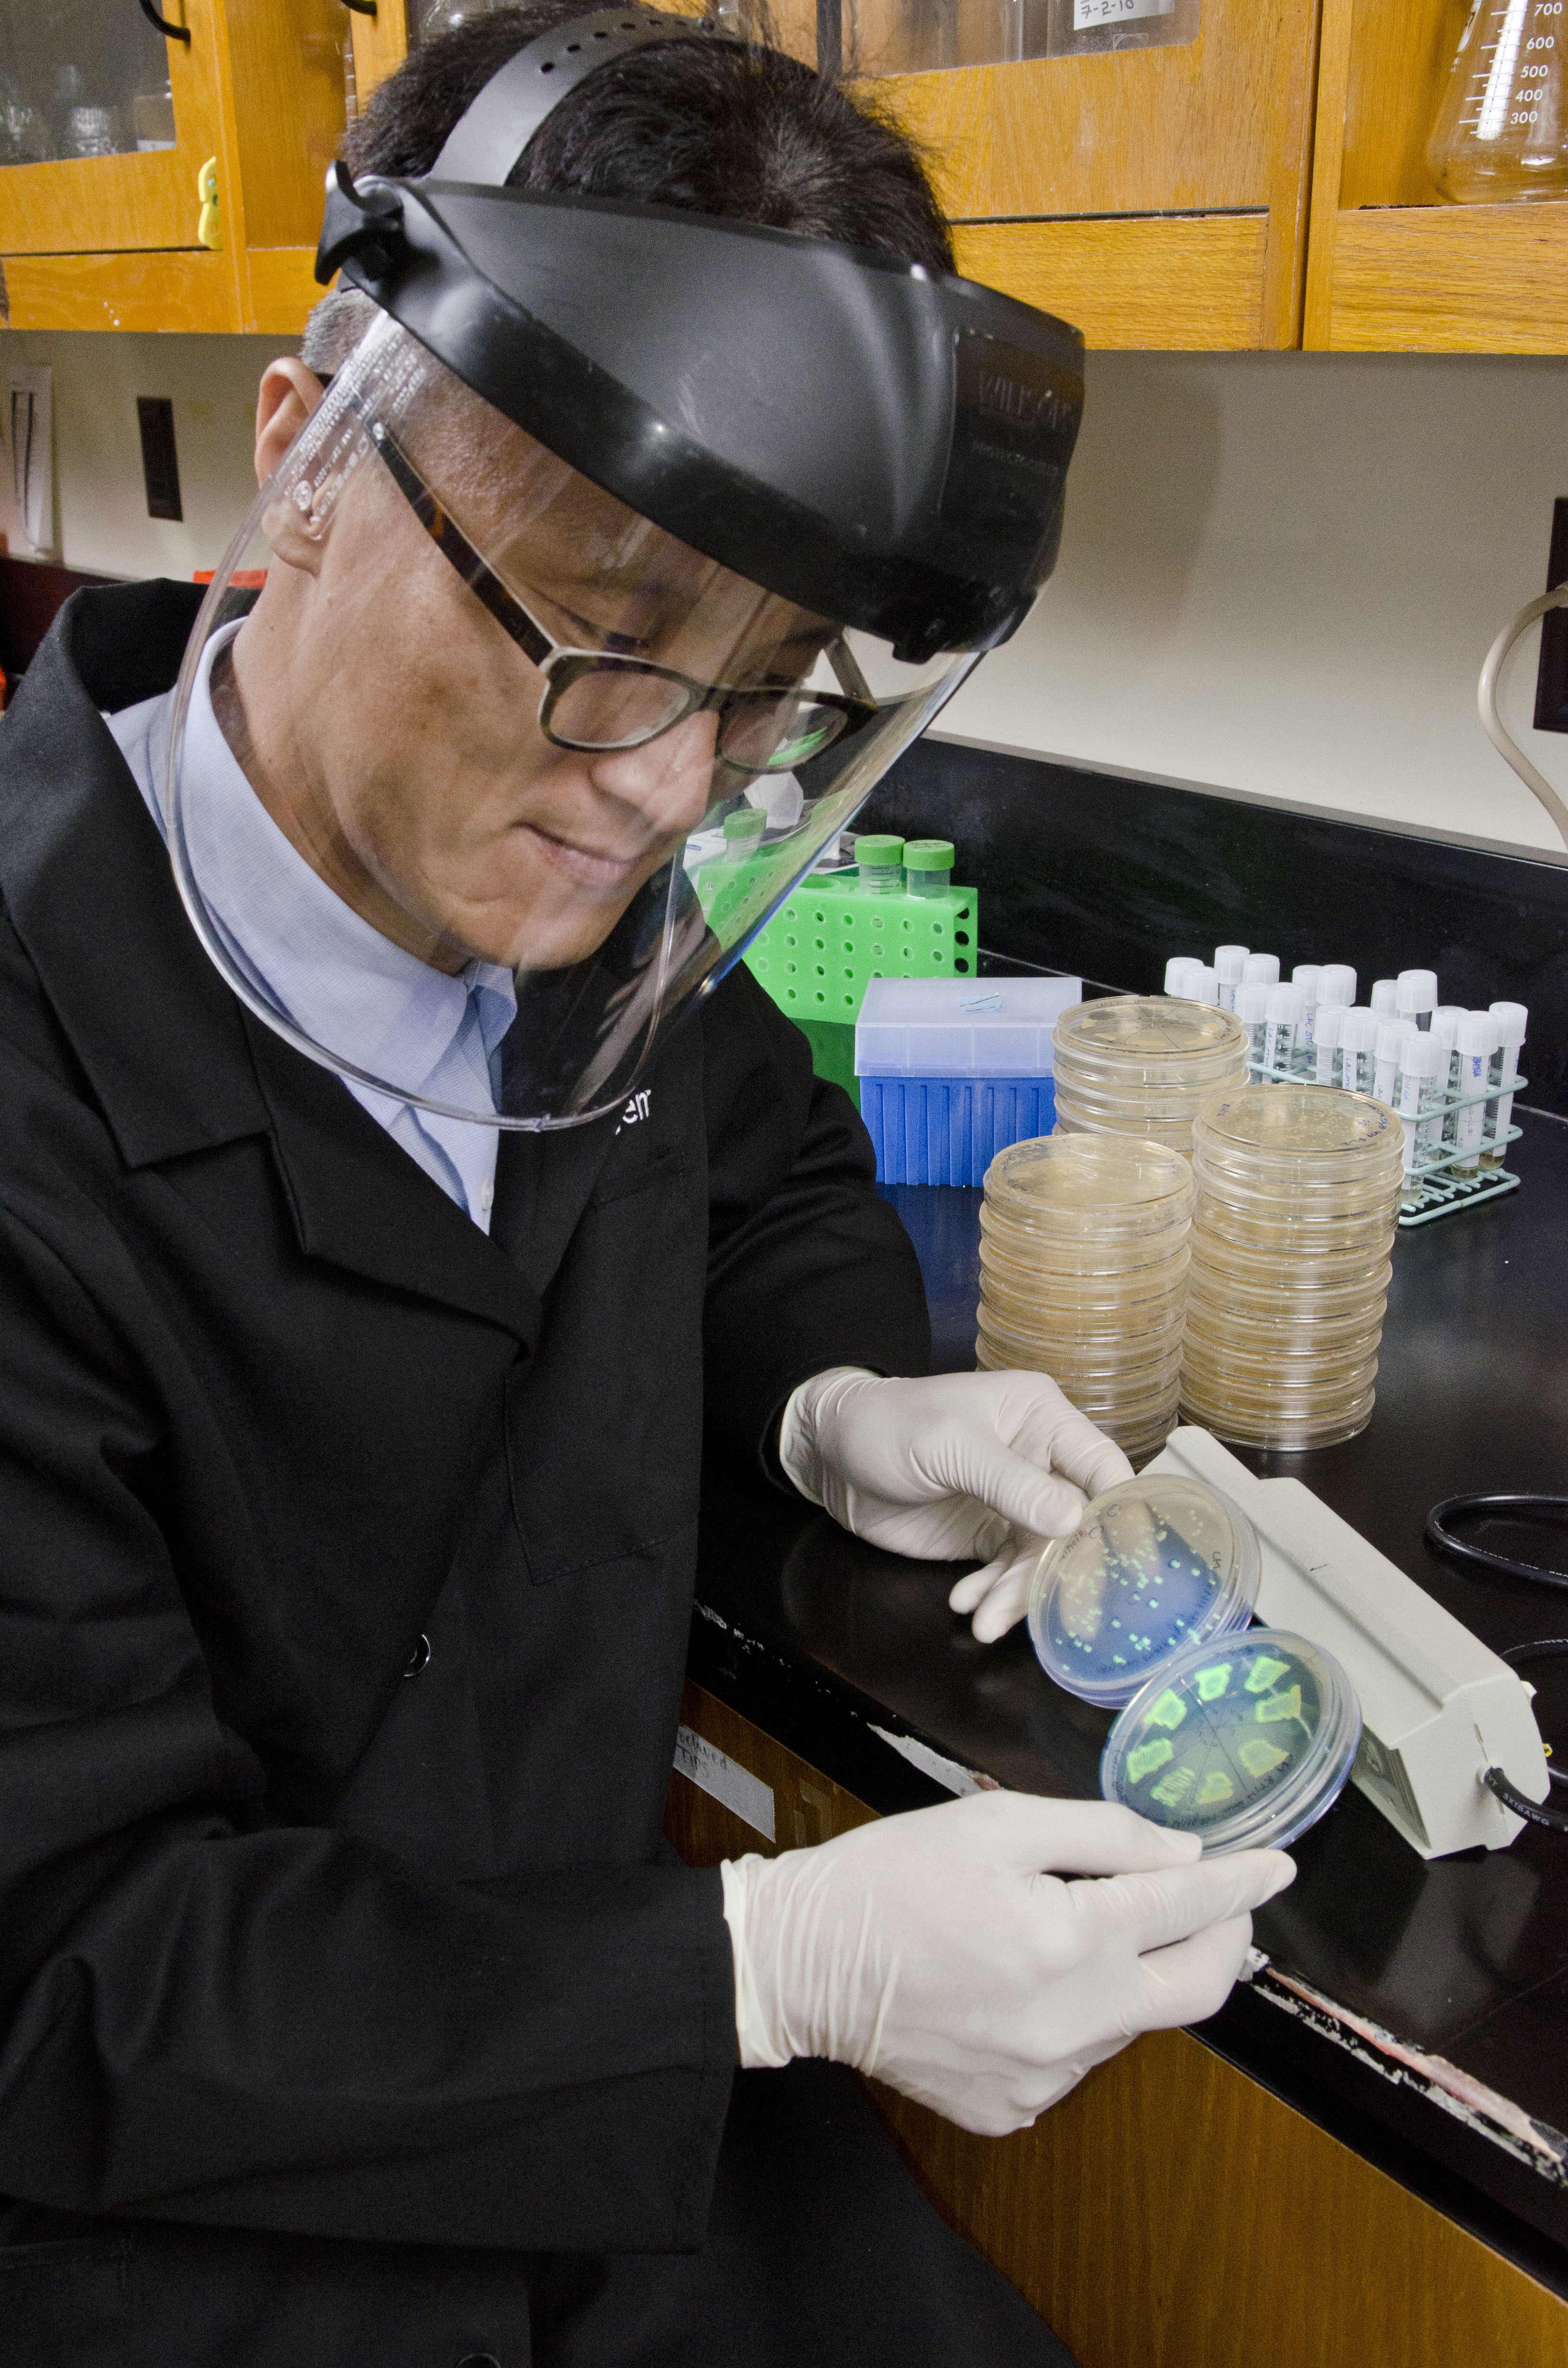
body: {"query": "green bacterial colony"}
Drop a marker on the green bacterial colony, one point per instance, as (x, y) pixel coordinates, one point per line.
(1222, 1757)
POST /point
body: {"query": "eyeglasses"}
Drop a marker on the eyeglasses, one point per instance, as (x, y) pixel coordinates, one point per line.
(600, 700)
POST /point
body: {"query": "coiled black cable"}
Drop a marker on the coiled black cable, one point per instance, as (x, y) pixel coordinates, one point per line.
(1551, 1512)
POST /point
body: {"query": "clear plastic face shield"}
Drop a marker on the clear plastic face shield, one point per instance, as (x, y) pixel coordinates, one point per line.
(527, 750)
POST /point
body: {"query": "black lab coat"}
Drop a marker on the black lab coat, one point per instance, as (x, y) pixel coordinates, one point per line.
(346, 1568)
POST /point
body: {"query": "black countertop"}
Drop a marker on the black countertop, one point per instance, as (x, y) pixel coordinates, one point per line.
(1417, 2009)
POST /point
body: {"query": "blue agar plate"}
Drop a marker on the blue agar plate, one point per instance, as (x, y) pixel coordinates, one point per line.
(1159, 1562)
(1245, 1740)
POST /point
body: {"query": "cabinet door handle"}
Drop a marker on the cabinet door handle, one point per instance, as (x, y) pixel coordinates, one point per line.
(361, 8)
(170, 32)
(208, 230)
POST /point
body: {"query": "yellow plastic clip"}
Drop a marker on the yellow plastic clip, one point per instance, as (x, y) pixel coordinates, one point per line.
(208, 232)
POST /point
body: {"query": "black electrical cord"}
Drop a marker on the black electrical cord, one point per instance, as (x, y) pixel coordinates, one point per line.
(1551, 1513)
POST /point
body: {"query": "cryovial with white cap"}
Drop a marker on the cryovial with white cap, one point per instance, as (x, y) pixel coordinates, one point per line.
(1358, 1050)
(1391, 1043)
(1336, 984)
(1325, 1043)
(1251, 1010)
(1305, 976)
(1178, 971)
(1473, 1056)
(1229, 968)
(1422, 1068)
(1416, 995)
(1279, 1035)
(1203, 986)
(1512, 1019)
(1384, 999)
(1261, 970)
(1446, 1033)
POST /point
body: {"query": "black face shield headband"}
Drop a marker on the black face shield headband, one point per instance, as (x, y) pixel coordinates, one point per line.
(882, 446)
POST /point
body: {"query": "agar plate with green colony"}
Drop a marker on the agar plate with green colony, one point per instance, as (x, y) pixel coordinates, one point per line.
(1157, 1564)
(1245, 1741)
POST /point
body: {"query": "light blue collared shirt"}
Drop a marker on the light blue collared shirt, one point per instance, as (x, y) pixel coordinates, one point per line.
(340, 982)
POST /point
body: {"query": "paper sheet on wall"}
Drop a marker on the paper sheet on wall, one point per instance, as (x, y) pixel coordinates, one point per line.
(29, 429)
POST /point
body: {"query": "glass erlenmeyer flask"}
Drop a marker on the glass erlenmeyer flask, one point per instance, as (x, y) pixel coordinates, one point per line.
(1502, 129)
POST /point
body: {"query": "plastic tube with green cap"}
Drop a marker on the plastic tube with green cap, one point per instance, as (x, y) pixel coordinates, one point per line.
(928, 866)
(743, 833)
(878, 859)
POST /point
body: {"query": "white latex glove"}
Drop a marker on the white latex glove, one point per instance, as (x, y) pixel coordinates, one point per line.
(991, 1465)
(940, 1950)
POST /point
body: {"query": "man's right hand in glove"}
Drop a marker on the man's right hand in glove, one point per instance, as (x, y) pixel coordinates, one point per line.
(943, 1951)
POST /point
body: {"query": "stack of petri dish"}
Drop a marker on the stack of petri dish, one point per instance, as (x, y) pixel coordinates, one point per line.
(1144, 1065)
(1083, 1261)
(1298, 1195)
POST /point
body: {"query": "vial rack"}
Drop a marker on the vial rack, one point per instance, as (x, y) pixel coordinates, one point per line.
(1435, 1186)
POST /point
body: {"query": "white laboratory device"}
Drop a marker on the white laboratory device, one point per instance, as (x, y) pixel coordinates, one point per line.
(1439, 1707)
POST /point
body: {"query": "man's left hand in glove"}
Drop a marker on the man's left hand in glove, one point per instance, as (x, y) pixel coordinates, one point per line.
(957, 1466)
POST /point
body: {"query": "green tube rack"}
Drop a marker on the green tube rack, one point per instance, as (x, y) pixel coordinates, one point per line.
(828, 940)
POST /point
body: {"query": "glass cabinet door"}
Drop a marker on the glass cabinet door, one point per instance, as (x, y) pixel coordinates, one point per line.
(78, 78)
(104, 122)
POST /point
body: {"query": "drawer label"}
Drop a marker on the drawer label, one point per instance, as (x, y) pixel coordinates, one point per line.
(724, 1780)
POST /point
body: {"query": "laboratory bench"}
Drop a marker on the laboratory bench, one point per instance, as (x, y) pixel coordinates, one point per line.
(1362, 2157)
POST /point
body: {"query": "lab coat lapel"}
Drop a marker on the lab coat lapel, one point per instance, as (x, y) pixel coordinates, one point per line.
(87, 887)
(361, 1202)
(542, 1185)
(175, 1063)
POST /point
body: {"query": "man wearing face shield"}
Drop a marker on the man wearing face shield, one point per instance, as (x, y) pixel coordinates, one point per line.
(402, 1185)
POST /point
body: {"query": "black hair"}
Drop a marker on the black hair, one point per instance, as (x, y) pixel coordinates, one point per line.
(750, 134)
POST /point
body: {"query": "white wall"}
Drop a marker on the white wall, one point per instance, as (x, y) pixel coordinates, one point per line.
(100, 503)
(1279, 575)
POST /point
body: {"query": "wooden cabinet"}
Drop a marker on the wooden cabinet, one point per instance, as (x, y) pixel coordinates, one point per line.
(118, 240)
(380, 42)
(1155, 197)
(1107, 2215)
(1391, 267)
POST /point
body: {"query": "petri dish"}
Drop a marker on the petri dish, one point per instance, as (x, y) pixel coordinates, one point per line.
(1275, 1383)
(1170, 1105)
(1245, 1741)
(1148, 1039)
(1289, 1350)
(1312, 1131)
(1124, 1412)
(1176, 1136)
(1157, 1564)
(1102, 1187)
(1282, 1239)
(1288, 1358)
(1072, 1369)
(1138, 1286)
(1113, 1339)
(1306, 1195)
(1295, 1296)
(1086, 1253)
(1289, 1431)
